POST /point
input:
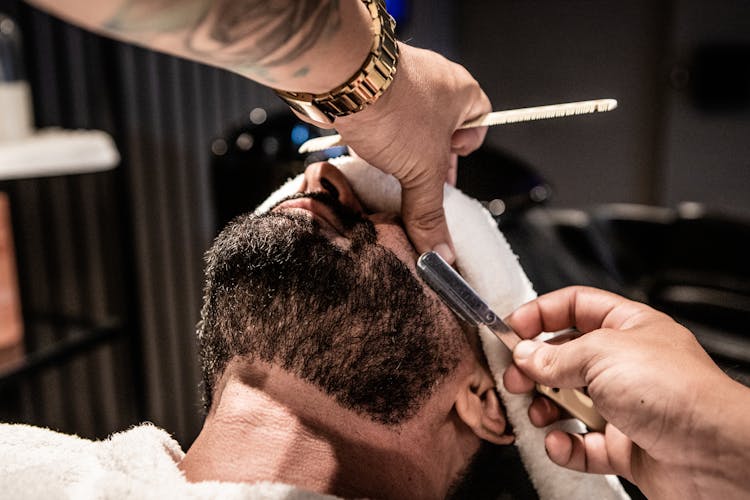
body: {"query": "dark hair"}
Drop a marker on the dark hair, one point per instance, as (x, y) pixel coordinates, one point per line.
(355, 321)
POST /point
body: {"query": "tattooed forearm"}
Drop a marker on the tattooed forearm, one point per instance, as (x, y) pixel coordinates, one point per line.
(247, 35)
(281, 31)
(305, 45)
(151, 17)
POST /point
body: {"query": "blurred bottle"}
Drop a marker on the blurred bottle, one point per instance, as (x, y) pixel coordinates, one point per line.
(11, 321)
(16, 112)
(16, 122)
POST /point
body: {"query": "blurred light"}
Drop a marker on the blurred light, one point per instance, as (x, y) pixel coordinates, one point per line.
(496, 207)
(219, 147)
(300, 133)
(691, 210)
(270, 146)
(245, 141)
(399, 9)
(258, 116)
(539, 193)
(7, 27)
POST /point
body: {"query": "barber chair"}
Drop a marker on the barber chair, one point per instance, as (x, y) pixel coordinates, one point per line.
(687, 261)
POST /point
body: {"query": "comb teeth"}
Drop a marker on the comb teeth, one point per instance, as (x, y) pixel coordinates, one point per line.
(542, 112)
(494, 118)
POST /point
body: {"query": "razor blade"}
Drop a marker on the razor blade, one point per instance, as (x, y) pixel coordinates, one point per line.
(470, 307)
(461, 298)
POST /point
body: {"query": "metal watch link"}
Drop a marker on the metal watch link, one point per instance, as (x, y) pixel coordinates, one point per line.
(365, 86)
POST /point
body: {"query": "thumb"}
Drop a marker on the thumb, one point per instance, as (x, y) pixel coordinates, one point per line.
(565, 365)
(464, 141)
(423, 215)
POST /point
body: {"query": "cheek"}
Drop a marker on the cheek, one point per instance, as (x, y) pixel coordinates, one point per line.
(391, 236)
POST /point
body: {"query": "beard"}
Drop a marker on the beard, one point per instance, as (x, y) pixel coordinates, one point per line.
(355, 322)
(286, 252)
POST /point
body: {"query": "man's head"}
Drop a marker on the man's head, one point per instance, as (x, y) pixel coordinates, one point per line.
(329, 294)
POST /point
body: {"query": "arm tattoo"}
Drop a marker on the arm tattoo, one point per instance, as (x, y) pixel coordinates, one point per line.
(243, 35)
(142, 18)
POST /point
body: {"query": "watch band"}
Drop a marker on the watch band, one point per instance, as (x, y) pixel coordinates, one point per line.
(365, 86)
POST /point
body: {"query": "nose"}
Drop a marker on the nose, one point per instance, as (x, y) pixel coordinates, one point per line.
(323, 176)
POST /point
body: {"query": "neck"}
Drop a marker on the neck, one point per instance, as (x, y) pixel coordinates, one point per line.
(256, 432)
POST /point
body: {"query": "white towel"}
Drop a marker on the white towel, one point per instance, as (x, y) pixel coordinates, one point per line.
(140, 463)
(487, 262)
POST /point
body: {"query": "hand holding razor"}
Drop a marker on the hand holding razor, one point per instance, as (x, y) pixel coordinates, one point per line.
(470, 307)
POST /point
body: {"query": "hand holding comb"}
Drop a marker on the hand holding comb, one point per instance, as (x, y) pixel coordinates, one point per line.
(494, 118)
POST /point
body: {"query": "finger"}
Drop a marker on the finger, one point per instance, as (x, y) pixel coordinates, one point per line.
(423, 215)
(584, 453)
(452, 175)
(464, 141)
(516, 382)
(566, 450)
(566, 365)
(619, 451)
(585, 308)
(597, 458)
(543, 412)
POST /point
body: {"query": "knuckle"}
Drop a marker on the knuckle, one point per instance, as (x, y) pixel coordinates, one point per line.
(547, 361)
(593, 352)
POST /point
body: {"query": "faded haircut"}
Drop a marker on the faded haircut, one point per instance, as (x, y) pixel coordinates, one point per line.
(354, 322)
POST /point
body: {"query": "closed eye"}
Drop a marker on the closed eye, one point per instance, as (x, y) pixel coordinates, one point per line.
(328, 186)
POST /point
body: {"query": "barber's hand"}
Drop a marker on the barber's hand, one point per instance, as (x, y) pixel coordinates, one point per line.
(410, 132)
(668, 405)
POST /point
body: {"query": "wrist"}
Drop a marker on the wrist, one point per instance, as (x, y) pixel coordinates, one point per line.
(364, 86)
(375, 112)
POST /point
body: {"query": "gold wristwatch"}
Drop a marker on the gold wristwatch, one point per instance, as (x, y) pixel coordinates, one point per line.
(365, 86)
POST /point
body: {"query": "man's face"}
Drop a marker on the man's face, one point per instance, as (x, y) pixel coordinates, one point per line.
(329, 293)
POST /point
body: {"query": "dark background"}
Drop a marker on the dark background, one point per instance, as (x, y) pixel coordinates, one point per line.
(111, 264)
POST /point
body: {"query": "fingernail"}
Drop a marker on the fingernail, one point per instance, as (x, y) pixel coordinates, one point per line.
(525, 349)
(445, 252)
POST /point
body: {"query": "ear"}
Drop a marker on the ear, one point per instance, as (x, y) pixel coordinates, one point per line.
(478, 406)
